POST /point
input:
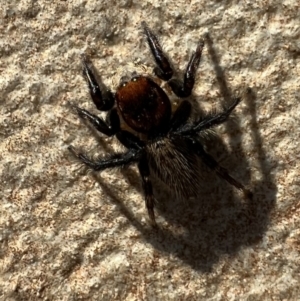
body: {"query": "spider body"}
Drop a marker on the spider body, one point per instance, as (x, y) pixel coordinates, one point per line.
(144, 106)
(171, 145)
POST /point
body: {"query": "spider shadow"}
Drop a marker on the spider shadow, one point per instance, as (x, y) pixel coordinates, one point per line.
(215, 227)
(205, 229)
(208, 228)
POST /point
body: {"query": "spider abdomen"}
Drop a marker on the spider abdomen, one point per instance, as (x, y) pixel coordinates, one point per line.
(144, 106)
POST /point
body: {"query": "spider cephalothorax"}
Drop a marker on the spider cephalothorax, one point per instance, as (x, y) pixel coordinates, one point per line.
(171, 145)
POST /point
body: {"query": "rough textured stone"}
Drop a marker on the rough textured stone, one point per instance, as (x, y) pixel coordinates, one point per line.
(67, 234)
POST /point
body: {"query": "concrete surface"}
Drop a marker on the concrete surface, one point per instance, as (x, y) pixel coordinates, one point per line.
(70, 234)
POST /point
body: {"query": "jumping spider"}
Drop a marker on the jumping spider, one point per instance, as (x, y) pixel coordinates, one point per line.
(165, 142)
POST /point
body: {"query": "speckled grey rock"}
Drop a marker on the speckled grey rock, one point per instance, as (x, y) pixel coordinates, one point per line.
(70, 234)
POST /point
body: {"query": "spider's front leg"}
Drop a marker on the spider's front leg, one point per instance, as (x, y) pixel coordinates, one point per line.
(163, 70)
(184, 89)
(102, 98)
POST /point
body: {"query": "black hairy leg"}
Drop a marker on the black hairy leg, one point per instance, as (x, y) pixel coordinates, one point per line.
(181, 115)
(109, 127)
(130, 141)
(163, 70)
(184, 88)
(210, 120)
(102, 98)
(147, 187)
(114, 161)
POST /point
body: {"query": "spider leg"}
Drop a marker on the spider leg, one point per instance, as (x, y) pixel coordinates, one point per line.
(109, 128)
(211, 120)
(129, 140)
(147, 186)
(213, 164)
(103, 100)
(181, 115)
(133, 143)
(114, 161)
(163, 70)
(184, 89)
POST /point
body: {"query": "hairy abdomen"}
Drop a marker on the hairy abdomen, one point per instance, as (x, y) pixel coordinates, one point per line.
(173, 163)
